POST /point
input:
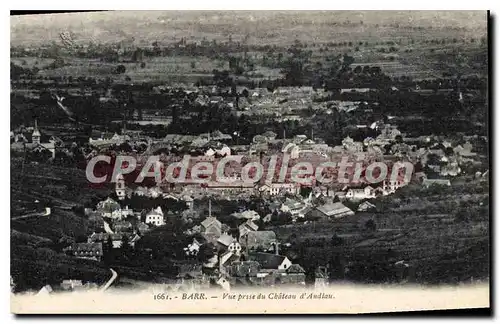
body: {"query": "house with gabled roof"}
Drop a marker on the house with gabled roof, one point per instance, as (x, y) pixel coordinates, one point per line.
(360, 193)
(211, 225)
(366, 206)
(330, 210)
(270, 260)
(193, 248)
(436, 182)
(155, 217)
(273, 189)
(109, 208)
(224, 241)
(321, 277)
(292, 206)
(92, 251)
(246, 227)
(226, 259)
(116, 238)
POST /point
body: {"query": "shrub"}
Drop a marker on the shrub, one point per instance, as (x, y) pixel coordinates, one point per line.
(120, 69)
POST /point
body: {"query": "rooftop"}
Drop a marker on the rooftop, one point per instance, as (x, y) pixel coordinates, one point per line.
(267, 260)
(332, 209)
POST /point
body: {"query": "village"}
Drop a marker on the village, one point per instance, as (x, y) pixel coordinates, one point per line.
(261, 111)
(243, 251)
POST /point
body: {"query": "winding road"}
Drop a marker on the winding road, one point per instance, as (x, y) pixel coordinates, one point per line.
(114, 275)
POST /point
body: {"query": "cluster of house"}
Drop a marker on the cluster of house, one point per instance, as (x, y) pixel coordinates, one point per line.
(436, 154)
(237, 260)
(117, 223)
(31, 140)
(251, 258)
(246, 259)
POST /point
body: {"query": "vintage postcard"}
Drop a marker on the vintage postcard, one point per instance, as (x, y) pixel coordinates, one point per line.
(257, 162)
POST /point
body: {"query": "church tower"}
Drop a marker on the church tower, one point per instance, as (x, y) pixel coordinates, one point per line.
(36, 134)
(120, 187)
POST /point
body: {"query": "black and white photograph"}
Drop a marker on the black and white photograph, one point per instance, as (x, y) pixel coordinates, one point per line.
(201, 162)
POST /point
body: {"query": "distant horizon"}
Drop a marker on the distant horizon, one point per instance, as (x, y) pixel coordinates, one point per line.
(165, 26)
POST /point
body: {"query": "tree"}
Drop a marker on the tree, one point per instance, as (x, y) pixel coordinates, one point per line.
(137, 55)
(193, 65)
(143, 65)
(206, 252)
(120, 69)
(347, 61)
(109, 244)
(108, 250)
(336, 240)
(125, 246)
(370, 225)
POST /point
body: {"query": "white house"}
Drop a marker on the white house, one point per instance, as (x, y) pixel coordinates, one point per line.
(224, 284)
(391, 186)
(366, 206)
(235, 247)
(271, 260)
(273, 189)
(155, 218)
(127, 212)
(209, 152)
(193, 248)
(120, 187)
(110, 208)
(360, 194)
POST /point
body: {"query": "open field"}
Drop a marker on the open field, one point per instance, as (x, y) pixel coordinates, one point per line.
(155, 69)
(263, 27)
(422, 62)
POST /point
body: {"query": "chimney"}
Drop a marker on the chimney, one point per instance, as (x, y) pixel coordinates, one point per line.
(209, 207)
(245, 251)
